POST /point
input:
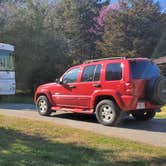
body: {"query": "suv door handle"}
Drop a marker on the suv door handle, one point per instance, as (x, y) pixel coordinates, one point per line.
(96, 85)
(72, 86)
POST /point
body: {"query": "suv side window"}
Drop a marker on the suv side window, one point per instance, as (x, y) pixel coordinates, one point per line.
(91, 73)
(114, 72)
(71, 76)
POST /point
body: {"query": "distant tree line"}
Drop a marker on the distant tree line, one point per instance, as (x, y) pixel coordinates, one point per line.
(51, 36)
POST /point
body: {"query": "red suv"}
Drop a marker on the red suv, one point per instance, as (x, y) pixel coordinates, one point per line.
(108, 88)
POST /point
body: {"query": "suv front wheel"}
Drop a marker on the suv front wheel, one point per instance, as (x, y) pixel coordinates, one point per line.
(108, 113)
(43, 106)
(144, 115)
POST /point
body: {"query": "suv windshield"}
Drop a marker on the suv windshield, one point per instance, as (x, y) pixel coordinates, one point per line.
(144, 69)
(6, 61)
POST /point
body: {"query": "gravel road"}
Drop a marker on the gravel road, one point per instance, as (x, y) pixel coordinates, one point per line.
(151, 132)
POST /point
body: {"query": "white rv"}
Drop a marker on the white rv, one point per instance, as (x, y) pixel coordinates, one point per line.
(7, 70)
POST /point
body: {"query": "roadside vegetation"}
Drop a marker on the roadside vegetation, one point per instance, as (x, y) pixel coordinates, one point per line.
(162, 114)
(52, 35)
(27, 142)
(19, 97)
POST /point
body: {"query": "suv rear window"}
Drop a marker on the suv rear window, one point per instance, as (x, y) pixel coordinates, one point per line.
(144, 70)
(114, 72)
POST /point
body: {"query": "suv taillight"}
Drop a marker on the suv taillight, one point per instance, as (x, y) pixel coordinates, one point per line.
(129, 88)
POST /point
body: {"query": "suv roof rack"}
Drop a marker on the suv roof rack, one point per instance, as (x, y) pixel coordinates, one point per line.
(96, 60)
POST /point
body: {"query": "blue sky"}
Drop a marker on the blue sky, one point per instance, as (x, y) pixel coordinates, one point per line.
(162, 4)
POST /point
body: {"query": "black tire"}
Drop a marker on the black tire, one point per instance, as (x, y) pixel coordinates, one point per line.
(156, 90)
(43, 106)
(108, 113)
(144, 115)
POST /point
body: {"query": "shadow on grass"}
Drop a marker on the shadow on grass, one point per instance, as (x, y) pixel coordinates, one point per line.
(18, 149)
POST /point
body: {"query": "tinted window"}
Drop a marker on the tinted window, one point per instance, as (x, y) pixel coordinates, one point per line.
(144, 69)
(97, 73)
(114, 72)
(91, 73)
(71, 76)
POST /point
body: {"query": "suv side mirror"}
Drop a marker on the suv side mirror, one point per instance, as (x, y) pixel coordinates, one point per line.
(59, 81)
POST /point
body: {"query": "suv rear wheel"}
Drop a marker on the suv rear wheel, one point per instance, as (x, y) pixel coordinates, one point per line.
(43, 106)
(144, 115)
(108, 113)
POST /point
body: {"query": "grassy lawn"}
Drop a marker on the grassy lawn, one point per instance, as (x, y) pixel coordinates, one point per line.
(162, 114)
(24, 142)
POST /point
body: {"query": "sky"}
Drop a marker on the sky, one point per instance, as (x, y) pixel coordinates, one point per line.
(162, 4)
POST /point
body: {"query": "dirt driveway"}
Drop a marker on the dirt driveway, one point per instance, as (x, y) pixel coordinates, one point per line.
(152, 132)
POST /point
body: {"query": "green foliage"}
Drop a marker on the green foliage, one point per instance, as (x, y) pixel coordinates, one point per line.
(89, 10)
(52, 35)
(77, 21)
(18, 98)
(133, 30)
(68, 26)
(49, 37)
(161, 48)
(40, 54)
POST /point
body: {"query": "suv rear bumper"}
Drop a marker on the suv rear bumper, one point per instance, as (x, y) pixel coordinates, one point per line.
(133, 103)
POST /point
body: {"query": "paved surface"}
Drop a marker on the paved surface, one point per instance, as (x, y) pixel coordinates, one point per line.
(152, 132)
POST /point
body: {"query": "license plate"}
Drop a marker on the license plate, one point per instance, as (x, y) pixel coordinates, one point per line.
(140, 105)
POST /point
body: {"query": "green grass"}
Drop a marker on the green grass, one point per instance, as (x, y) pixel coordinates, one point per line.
(164, 109)
(162, 114)
(25, 142)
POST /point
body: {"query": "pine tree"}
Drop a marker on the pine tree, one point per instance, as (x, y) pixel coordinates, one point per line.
(133, 30)
(78, 23)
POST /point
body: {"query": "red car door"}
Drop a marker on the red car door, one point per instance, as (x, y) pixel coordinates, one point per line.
(89, 82)
(63, 93)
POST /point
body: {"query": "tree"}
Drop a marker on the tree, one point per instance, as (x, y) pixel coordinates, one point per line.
(160, 50)
(40, 54)
(78, 22)
(133, 30)
(67, 24)
(90, 30)
(49, 36)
